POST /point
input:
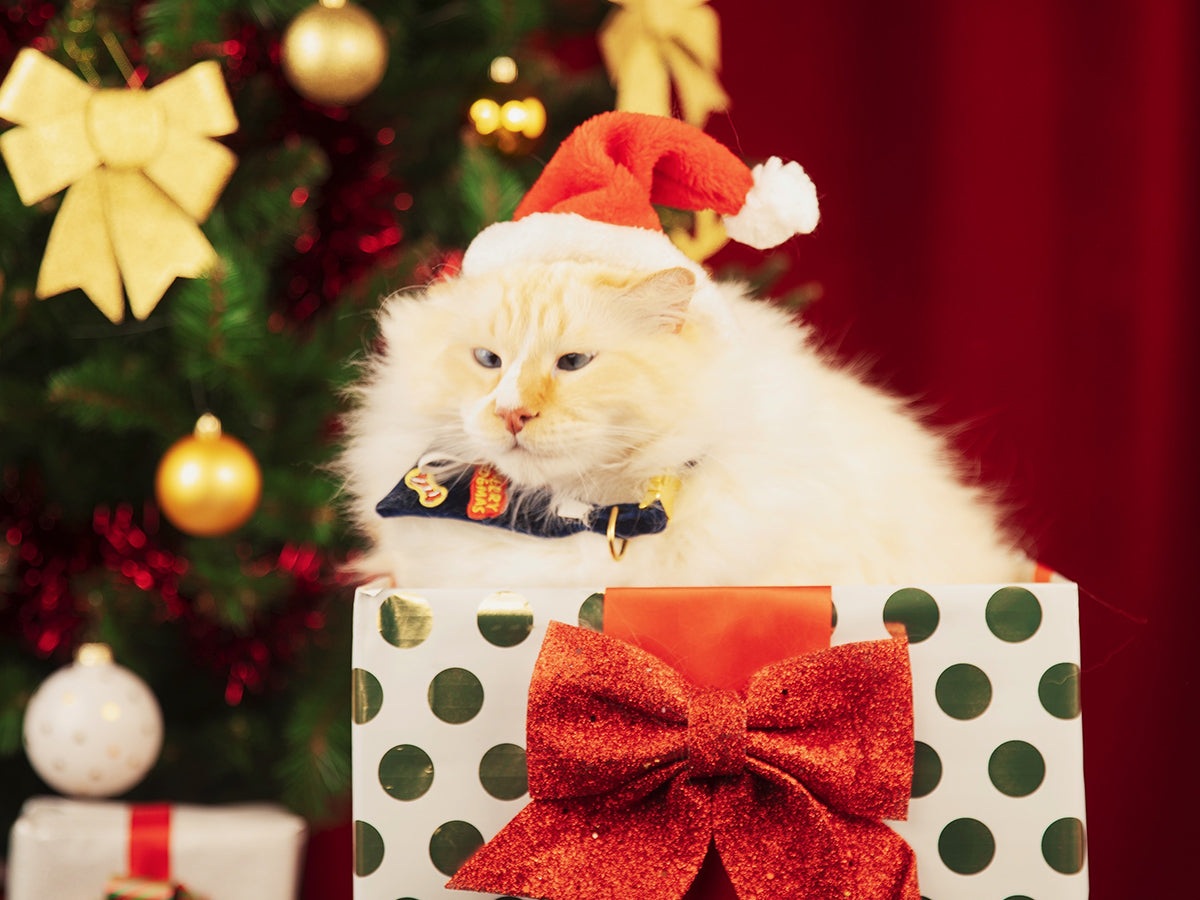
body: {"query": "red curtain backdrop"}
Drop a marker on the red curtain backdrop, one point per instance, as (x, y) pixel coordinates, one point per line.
(1009, 235)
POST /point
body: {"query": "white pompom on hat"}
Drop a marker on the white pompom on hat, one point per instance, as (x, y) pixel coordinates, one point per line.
(595, 199)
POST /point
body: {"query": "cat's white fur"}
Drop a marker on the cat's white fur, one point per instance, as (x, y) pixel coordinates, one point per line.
(800, 473)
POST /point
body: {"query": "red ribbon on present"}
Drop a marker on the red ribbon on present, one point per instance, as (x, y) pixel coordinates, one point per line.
(150, 841)
(149, 857)
(634, 771)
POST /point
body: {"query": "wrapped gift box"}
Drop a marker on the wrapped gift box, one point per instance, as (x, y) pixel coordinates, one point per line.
(997, 809)
(72, 849)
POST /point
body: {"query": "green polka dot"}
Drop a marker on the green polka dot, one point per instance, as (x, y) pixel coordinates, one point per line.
(405, 620)
(1018, 897)
(503, 773)
(1016, 768)
(405, 772)
(963, 691)
(368, 696)
(591, 613)
(1013, 614)
(832, 615)
(452, 845)
(915, 609)
(455, 696)
(1059, 690)
(505, 619)
(368, 848)
(927, 769)
(1063, 846)
(966, 846)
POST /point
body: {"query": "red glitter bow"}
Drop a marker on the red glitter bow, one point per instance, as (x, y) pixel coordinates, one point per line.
(633, 772)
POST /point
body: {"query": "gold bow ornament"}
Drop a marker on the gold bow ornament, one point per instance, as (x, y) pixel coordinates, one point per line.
(141, 172)
(647, 46)
(650, 44)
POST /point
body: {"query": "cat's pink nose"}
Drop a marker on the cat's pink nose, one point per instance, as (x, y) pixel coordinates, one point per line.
(515, 419)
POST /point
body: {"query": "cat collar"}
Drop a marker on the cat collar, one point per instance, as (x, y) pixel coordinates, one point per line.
(485, 497)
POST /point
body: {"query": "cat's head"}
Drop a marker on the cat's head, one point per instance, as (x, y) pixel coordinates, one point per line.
(559, 375)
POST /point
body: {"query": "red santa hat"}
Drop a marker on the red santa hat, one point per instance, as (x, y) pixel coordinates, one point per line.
(595, 198)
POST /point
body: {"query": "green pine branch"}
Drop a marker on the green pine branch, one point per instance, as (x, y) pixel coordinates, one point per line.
(258, 202)
(315, 766)
(490, 189)
(96, 393)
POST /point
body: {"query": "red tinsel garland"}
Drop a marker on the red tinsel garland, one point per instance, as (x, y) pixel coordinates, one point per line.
(40, 555)
(44, 558)
(355, 226)
(249, 659)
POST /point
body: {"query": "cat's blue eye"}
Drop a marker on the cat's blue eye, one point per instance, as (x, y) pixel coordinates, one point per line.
(486, 358)
(569, 362)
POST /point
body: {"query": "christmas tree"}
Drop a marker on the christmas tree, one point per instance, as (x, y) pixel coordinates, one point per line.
(338, 196)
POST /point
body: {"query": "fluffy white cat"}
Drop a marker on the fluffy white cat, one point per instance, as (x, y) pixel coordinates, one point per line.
(579, 382)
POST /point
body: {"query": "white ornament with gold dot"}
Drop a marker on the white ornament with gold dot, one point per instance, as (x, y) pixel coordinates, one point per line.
(93, 728)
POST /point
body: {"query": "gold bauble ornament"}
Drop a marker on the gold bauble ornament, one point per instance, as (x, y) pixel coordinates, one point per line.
(334, 53)
(208, 483)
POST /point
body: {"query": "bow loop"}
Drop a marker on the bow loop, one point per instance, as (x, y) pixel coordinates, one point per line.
(192, 171)
(61, 146)
(196, 101)
(815, 735)
(37, 89)
(577, 694)
(634, 771)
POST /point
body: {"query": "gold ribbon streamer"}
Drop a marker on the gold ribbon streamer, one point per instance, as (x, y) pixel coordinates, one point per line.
(140, 168)
(648, 45)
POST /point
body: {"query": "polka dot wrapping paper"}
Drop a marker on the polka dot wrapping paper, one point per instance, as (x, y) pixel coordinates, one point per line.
(997, 810)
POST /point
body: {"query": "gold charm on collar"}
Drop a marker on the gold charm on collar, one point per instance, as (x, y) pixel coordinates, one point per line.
(663, 488)
(660, 488)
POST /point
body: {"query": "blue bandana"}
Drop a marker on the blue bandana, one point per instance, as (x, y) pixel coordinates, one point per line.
(484, 497)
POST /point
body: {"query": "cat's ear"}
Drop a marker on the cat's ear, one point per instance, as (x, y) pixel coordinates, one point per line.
(662, 298)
